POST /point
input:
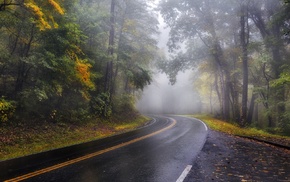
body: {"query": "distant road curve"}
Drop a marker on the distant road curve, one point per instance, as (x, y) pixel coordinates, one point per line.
(161, 152)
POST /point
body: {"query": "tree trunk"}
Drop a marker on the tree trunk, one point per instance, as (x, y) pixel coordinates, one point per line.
(23, 69)
(210, 100)
(244, 42)
(275, 46)
(217, 89)
(236, 105)
(227, 98)
(251, 108)
(120, 41)
(222, 67)
(109, 68)
(256, 112)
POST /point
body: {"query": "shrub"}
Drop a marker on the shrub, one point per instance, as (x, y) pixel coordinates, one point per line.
(7, 109)
(100, 105)
(124, 103)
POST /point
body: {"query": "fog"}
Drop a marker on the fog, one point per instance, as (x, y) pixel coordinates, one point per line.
(161, 97)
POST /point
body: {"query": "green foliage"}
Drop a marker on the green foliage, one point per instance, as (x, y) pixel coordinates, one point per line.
(124, 103)
(30, 101)
(71, 106)
(210, 30)
(284, 78)
(136, 45)
(140, 77)
(7, 109)
(53, 56)
(181, 62)
(100, 106)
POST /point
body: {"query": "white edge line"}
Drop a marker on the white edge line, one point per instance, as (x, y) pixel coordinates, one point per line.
(203, 124)
(206, 128)
(184, 173)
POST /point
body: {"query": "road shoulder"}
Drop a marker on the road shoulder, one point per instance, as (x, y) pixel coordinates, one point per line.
(228, 158)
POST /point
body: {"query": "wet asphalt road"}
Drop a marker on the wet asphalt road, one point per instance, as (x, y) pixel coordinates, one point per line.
(161, 157)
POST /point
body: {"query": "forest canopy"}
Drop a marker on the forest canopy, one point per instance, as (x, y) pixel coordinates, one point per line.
(63, 60)
(74, 60)
(241, 51)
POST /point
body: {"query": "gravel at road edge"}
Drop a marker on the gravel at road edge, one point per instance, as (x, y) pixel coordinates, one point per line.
(229, 158)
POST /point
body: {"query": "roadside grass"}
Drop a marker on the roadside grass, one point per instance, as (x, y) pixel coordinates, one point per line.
(233, 129)
(21, 140)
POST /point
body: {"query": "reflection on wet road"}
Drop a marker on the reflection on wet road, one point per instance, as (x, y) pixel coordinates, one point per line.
(159, 152)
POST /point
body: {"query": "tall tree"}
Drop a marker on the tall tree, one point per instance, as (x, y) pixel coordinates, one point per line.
(109, 67)
(136, 44)
(263, 14)
(207, 18)
(244, 36)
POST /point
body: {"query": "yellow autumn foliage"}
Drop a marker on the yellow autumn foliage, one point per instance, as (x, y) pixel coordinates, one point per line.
(56, 6)
(55, 25)
(7, 109)
(83, 70)
(43, 18)
(233, 129)
(43, 24)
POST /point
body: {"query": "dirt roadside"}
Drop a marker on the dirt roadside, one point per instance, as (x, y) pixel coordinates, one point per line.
(228, 158)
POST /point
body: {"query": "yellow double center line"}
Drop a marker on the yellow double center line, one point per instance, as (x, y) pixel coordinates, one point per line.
(60, 165)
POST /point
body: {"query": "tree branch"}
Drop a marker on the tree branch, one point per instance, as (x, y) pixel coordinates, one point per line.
(4, 5)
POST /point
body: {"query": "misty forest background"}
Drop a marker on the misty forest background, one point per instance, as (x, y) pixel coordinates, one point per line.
(77, 60)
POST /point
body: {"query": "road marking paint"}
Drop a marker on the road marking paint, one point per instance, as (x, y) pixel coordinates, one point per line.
(60, 165)
(203, 124)
(184, 173)
(206, 128)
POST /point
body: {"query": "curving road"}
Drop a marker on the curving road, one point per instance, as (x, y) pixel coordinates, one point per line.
(158, 152)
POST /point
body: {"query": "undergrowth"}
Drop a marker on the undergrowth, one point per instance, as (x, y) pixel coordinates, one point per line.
(23, 139)
(233, 129)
